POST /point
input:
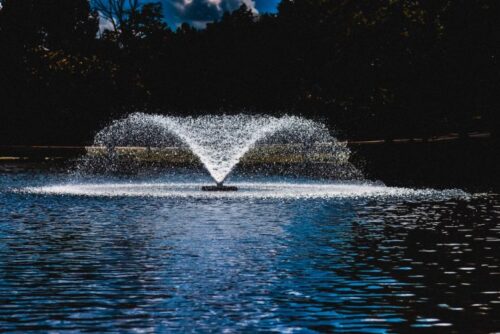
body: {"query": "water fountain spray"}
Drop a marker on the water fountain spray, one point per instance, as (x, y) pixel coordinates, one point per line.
(219, 142)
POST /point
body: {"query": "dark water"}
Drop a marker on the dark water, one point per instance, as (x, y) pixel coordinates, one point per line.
(195, 265)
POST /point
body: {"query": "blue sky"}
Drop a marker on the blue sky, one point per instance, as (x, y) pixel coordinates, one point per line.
(200, 12)
(267, 5)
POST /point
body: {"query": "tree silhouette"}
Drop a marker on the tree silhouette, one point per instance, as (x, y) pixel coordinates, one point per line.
(382, 68)
(117, 12)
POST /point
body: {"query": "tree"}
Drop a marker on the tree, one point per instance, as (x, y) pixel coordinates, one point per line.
(53, 24)
(117, 11)
(47, 40)
(69, 25)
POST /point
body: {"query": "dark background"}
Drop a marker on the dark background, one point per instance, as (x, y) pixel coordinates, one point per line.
(381, 69)
(371, 69)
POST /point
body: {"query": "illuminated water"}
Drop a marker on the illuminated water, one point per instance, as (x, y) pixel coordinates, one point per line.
(220, 142)
(143, 255)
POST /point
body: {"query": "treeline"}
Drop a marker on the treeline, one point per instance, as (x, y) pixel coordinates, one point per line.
(378, 68)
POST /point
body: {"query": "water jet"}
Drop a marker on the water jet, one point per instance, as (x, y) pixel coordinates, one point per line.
(219, 143)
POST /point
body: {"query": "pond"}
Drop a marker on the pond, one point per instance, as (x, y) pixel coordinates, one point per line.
(136, 262)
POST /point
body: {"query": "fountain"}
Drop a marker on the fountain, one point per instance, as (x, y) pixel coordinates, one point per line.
(286, 157)
(220, 142)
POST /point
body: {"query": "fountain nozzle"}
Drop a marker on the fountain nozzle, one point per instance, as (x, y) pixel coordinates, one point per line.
(219, 186)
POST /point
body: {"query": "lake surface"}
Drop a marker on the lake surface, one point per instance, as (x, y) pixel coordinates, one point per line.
(135, 262)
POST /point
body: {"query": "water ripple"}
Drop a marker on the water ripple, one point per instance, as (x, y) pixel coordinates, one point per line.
(372, 264)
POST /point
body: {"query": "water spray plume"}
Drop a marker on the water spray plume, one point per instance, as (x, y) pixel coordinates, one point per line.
(219, 142)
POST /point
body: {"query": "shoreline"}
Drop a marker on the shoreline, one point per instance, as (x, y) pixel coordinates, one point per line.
(469, 163)
(59, 152)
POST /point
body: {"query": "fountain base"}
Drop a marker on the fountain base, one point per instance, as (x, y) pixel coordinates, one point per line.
(219, 187)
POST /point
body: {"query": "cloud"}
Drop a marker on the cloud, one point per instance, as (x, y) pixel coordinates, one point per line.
(105, 24)
(200, 12)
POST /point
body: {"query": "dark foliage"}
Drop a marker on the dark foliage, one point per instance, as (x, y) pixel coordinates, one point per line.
(382, 68)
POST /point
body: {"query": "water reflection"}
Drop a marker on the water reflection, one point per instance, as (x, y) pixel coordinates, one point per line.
(153, 264)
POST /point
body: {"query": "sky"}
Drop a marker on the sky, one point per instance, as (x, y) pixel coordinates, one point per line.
(200, 12)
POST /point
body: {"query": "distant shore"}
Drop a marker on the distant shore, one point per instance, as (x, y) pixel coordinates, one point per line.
(54, 152)
(447, 161)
